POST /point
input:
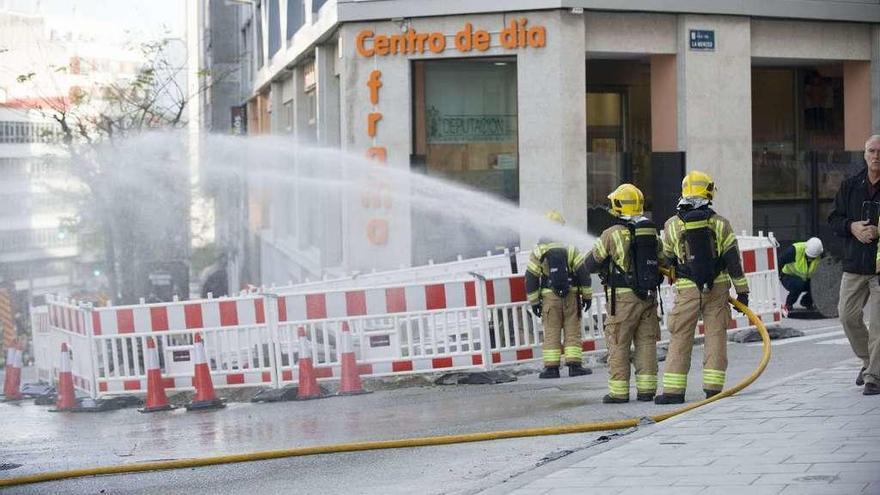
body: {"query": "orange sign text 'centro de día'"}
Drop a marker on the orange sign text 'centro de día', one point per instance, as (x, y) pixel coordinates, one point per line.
(517, 34)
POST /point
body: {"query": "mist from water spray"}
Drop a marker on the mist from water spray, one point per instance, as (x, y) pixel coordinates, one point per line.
(289, 168)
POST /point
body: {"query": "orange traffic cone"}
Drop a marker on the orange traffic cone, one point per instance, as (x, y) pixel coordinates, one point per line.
(156, 398)
(12, 384)
(351, 378)
(205, 398)
(66, 400)
(308, 381)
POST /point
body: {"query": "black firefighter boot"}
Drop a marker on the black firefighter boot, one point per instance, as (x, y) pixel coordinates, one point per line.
(609, 399)
(711, 393)
(550, 372)
(669, 399)
(575, 369)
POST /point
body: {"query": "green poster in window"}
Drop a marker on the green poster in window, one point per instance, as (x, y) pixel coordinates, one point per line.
(459, 128)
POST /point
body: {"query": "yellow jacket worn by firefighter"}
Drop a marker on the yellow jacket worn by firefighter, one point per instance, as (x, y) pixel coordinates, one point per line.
(626, 256)
(558, 288)
(703, 250)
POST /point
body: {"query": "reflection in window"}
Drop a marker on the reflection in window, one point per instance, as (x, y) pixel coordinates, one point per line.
(465, 123)
(798, 160)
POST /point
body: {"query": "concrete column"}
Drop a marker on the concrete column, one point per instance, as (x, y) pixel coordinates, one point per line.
(714, 111)
(393, 132)
(552, 167)
(663, 103)
(856, 104)
(875, 79)
(276, 123)
(301, 106)
(328, 95)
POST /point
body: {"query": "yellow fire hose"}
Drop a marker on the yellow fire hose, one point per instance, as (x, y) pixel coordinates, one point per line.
(404, 443)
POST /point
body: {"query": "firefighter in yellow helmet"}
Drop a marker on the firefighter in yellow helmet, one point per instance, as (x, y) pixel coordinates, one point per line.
(626, 256)
(702, 248)
(558, 288)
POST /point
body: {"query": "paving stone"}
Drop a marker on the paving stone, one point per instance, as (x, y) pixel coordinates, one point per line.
(572, 481)
(755, 460)
(712, 479)
(603, 490)
(795, 479)
(529, 491)
(574, 472)
(841, 467)
(841, 489)
(600, 461)
(817, 458)
(771, 468)
(662, 490)
(740, 489)
(652, 481)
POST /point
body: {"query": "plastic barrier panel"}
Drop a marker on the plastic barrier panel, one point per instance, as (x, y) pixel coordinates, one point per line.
(252, 340)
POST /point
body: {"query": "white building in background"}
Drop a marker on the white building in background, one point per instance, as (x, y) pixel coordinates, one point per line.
(36, 253)
(41, 68)
(773, 98)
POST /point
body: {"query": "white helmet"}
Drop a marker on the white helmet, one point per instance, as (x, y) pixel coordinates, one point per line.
(814, 247)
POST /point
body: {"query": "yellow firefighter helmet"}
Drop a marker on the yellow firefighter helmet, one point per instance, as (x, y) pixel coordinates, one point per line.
(627, 201)
(554, 216)
(697, 184)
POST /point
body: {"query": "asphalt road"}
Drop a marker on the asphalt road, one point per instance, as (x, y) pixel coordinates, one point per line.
(42, 441)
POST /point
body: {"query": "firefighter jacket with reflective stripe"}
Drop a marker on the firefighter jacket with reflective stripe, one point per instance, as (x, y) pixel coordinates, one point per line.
(613, 246)
(794, 262)
(725, 246)
(539, 269)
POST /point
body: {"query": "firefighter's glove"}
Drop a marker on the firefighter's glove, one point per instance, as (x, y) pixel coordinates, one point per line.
(536, 309)
(586, 302)
(743, 297)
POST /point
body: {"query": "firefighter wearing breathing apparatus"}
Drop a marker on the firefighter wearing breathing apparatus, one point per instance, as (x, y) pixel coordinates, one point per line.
(558, 288)
(705, 258)
(626, 256)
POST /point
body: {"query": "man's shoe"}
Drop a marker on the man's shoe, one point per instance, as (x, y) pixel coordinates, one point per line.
(550, 372)
(608, 399)
(786, 309)
(577, 370)
(645, 396)
(871, 389)
(860, 379)
(711, 393)
(669, 399)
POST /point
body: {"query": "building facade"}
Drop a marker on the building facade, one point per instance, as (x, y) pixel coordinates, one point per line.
(553, 103)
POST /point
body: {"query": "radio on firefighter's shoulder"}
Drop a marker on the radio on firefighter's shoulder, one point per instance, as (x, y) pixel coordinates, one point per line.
(871, 212)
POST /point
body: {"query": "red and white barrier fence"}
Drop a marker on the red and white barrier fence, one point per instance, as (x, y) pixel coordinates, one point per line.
(458, 324)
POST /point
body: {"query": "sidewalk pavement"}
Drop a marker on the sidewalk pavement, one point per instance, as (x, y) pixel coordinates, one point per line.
(811, 433)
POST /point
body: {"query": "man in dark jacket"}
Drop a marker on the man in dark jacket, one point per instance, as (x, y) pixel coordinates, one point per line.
(854, 217)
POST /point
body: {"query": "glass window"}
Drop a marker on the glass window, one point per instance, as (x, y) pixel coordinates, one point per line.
(465, 131)
(274, 28)
(618, 113)
(259, 24)
(798, 160)
(287, 116)
(296, 15)
(470, 120)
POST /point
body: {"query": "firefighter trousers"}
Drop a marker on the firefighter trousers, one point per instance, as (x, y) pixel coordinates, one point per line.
(561, 316)
(634, 321)
(682, 323)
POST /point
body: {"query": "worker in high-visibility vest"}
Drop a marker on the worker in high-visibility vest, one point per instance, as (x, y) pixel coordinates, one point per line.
(799, 261)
